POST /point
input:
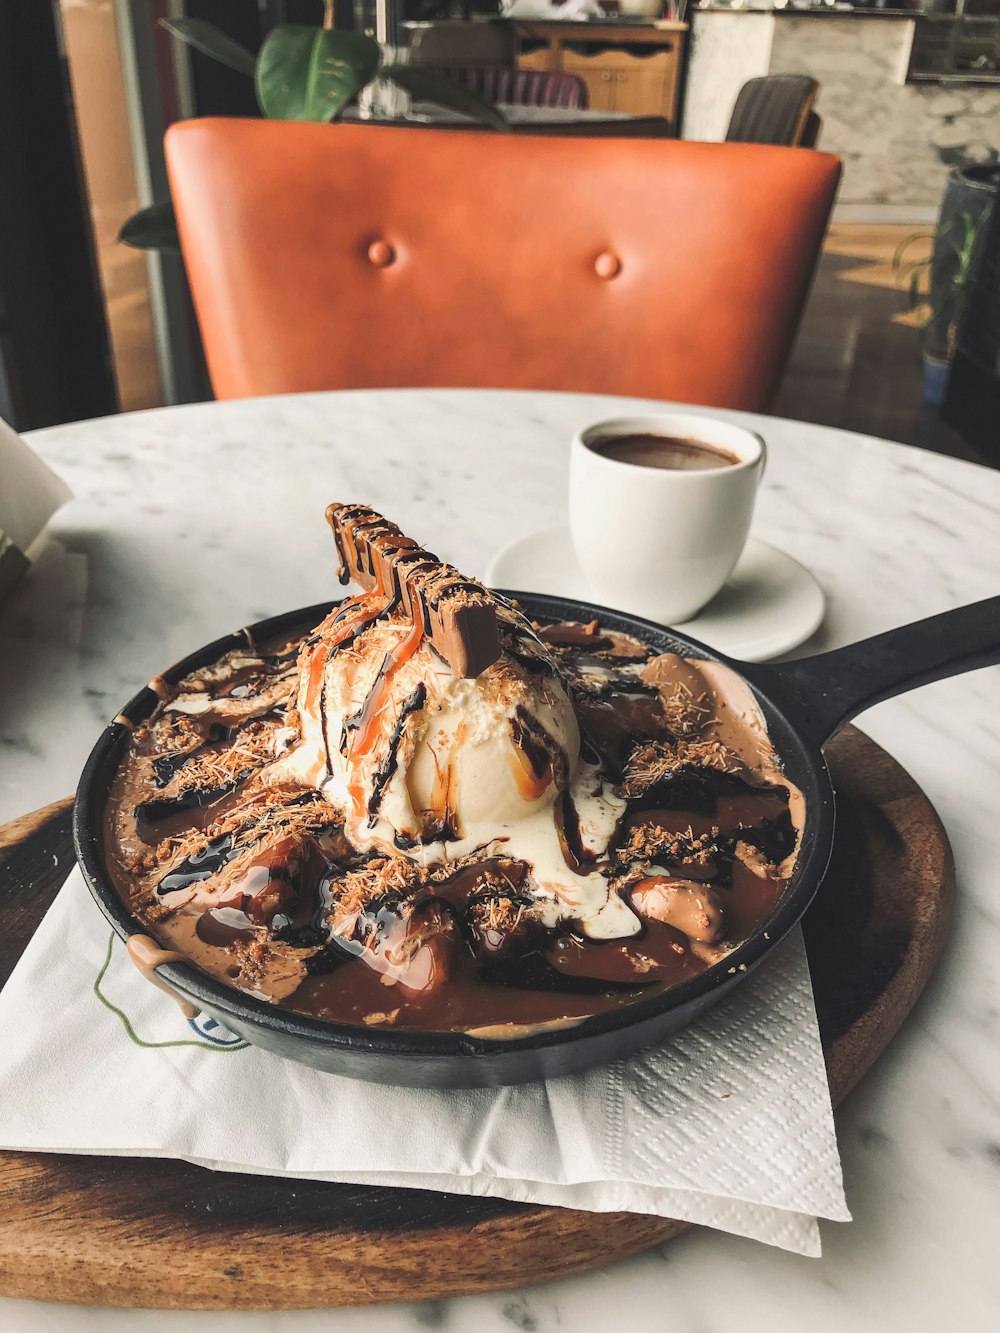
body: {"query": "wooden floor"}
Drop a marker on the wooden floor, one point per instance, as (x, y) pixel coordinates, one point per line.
(856, 362)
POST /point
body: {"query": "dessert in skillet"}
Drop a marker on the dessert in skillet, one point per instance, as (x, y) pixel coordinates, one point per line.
(429, 812)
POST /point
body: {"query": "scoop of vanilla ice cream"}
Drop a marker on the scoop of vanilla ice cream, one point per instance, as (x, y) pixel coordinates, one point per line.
(438, 766)
(456, 758)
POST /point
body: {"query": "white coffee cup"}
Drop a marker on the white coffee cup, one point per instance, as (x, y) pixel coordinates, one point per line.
(655, 540)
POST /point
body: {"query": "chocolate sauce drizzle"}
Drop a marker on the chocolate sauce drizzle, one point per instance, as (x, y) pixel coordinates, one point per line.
(200, 865)
(150, 814)
(364, 623)
(570, 836)
(167, 766)
(387, 768)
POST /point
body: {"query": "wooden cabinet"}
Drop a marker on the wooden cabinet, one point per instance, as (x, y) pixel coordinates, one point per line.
(627, 68)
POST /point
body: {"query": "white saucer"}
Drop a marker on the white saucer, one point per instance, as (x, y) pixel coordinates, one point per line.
(770, 604)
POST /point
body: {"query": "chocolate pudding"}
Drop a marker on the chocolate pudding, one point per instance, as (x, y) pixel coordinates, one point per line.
(431, 813)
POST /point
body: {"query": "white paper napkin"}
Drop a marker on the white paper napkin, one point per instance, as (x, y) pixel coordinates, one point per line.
(29, 493)
(729, 1124)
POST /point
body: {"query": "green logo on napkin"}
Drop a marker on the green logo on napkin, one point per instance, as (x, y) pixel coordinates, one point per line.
(202, 1024)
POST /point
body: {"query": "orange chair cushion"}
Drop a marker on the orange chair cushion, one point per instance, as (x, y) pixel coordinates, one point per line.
(356, 256)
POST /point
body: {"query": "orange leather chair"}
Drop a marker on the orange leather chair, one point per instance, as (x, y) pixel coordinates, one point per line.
(359, 256)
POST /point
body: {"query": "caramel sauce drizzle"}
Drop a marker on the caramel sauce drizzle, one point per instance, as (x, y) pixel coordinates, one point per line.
(531, 785)
(444, 805)
(364, 611)
(368, 730)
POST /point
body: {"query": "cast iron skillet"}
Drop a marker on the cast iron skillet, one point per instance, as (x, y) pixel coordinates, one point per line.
(804, 703)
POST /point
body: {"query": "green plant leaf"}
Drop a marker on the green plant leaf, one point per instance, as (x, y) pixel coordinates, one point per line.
(904, 245)
(426, 85)
(212, 41)
(312, 73)
(152, 228)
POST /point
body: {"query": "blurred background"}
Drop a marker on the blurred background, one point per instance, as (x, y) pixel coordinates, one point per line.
(909, 96)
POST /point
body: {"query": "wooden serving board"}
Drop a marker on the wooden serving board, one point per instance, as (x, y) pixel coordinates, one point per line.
(162, 1234)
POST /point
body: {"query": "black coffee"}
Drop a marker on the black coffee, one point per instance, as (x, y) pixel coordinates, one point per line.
(663, 451)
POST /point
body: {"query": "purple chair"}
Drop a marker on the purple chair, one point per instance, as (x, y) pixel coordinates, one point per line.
(520, 87)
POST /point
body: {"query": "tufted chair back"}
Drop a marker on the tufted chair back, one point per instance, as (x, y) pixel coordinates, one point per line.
(361, 256)
(776, 109)
(521, 87)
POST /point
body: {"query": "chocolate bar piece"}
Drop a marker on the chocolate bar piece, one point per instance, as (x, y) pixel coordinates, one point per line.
(458, 614)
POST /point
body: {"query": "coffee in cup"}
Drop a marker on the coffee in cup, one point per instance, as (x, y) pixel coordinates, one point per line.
(671, 452)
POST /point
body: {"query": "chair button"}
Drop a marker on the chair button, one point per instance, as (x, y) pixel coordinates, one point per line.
(607, 265)
(381, 254)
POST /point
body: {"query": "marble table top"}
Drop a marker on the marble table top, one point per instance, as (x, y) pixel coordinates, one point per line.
(189, 522)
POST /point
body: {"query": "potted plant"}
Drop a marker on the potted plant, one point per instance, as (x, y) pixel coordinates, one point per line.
(303, 73)
(938, 283)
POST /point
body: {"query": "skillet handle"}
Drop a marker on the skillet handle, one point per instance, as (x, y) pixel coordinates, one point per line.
(821, 694)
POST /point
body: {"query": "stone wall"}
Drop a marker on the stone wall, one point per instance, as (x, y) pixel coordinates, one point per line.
(898, 141)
